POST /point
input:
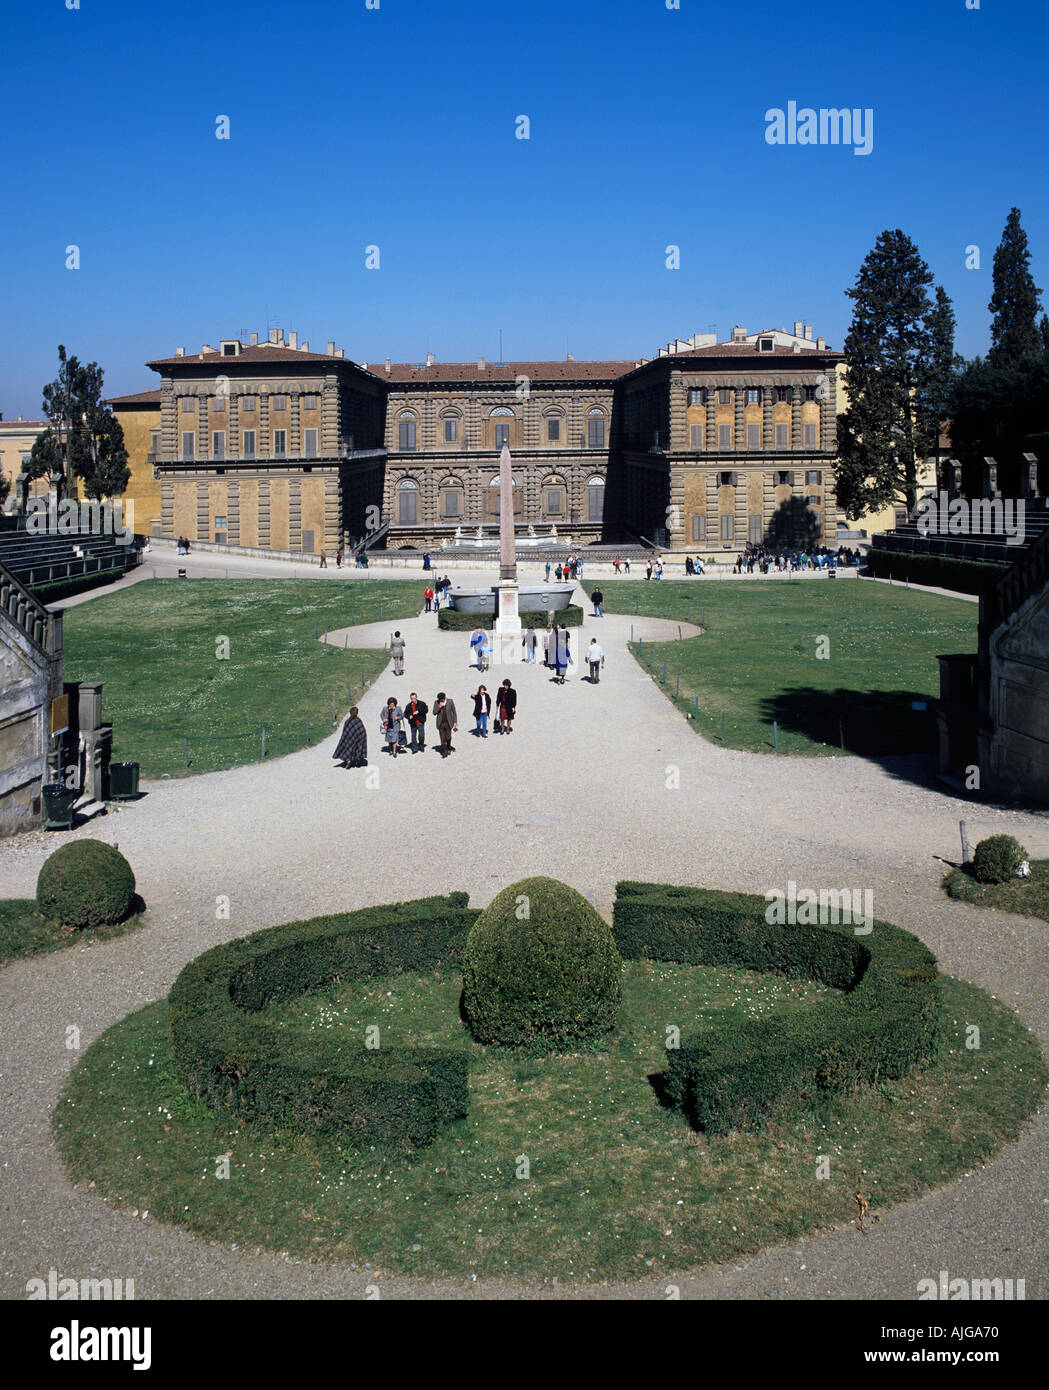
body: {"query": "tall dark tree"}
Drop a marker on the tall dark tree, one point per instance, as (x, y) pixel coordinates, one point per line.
(1014, 302)
(82, 430)
(898, 354)
(1043, 333)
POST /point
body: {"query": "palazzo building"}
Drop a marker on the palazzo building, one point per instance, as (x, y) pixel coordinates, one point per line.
(708, 446)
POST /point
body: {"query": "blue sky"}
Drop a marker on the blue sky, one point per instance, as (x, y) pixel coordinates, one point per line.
(395, 127)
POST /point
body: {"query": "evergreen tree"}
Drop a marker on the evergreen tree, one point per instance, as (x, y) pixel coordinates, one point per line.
(82, 430)
(899, 354)
(1014, 303)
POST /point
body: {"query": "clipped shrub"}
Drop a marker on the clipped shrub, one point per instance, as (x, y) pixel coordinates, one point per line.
(540, 967)
(86, 883)
(231, 1059)
(880, 1022)
(448, 620)
(940, 571)
(997, 859)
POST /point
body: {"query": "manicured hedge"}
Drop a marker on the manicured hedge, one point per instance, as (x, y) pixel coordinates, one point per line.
(449, 620)
(231, 1059)
(880, 1025)
(86, 883)
(938, 571)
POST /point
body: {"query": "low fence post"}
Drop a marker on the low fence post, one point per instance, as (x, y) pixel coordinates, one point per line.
(775, 736)
(185, 751)
(263, 740)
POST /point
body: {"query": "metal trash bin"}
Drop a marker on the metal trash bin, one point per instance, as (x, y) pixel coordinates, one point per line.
(123, 781)
(59, 801)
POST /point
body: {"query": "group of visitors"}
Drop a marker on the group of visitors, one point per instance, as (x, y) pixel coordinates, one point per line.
(183, 545)
(621, 566)
(654, 568)
(505, 709)
(763, 560)
(437, 593)
(694, 566)
(572, 568)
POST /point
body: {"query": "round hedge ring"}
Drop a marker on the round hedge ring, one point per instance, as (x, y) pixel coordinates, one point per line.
(86, 883)
(540, 966)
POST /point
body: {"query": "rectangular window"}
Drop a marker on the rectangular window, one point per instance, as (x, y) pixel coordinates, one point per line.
(309, 446)
(280, 444)
(810, 436)
(247, 404)
(406, 435)
(810, 393)
(220, 523)
(595, 434)
(595, 502)
(553, 429)
(724, 395)
(784, 393)
(782, 436)
(724, 436)
(697, 395)
(407, 506)
(502, 434)
(753, 436)
(218, 404)
(451, 431)
(154, 443)
(699, 528)
(783, 479)
(218, 444)
(695, 436)
(766, 344)
(553, 502)
(278, 403)
(451, 503)
(754, 529)
(728, 528)
(189, 444)
(726, 480)
(813, 477)
(310, 402)
(753, 395)
(189, 404)
(248, 444)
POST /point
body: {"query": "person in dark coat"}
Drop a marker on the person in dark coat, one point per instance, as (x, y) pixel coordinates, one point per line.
(482, 708)
(390, 723)
(447, 722)
(506, 706)
(352, 747)
(415, 711)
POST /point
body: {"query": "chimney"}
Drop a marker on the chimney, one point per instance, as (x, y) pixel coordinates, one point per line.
(305, 345)
(293, 340)
(280, 336)
(340, 352)
(808, 332)
(387, 364)
(739, 334)
(273, 335)
(571, 357)
(180, 352)
(429, 359)
(480, 364)
(798, 326)
(821, 343)
(331, 348)
(254, 340)
(795, 347)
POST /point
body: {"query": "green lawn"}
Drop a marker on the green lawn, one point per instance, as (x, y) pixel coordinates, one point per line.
(617, 1185)
(824, 659)
(168, 693)
(1027, 896)
(26, 932)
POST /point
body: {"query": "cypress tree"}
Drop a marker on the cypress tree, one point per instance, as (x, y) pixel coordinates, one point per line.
(1014, 303)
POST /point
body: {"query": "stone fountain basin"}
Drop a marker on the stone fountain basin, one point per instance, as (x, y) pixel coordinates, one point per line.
(553, 597)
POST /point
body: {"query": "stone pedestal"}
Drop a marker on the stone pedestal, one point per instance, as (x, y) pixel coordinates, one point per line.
(507, 612)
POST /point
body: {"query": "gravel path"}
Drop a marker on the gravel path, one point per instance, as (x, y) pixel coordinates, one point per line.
(579, 791)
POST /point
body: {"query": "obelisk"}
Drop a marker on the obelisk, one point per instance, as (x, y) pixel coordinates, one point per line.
(507, 615)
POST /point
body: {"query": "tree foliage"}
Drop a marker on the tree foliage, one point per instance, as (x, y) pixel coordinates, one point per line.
(82, 423)
(1014, 303)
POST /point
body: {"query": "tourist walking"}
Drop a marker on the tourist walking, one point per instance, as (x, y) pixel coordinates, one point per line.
(484, 651)
(446, 720)
(597, 598)
(482, 708)
(506, 707)
(476, 639)
(324, 559)
(595, 659)
(648, 570)
(562, 653)
(415, 711)
(558, 572)
(390, 723)
(397, 652)
(626, 566)
(530, 641)
(352, 747)
(338, 559)
(548, 647)
(615, 564)
(428, 598)
(547, 578)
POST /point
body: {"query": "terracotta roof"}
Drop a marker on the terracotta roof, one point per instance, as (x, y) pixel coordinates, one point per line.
(139, 398)
(746, 350)
(23, 425)
(404, 372)
(265, 352)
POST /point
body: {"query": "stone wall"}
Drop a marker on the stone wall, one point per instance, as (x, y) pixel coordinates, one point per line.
(30, 672)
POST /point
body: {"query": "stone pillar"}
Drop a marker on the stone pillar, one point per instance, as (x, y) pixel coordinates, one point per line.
(990, 477)
(768, 433)
(1029, 477)
(795, 417)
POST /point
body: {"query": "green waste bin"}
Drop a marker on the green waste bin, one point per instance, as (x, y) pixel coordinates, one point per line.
(123, 781)
(59, 801)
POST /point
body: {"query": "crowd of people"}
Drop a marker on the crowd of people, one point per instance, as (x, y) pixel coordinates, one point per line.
(763, 560)
(571, 568)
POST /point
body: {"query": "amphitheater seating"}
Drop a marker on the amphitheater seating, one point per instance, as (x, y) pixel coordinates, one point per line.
(39, 560)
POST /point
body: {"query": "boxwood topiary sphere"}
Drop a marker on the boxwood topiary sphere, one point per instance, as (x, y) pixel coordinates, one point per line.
(997, 859)
(85, 884)
(540, 966)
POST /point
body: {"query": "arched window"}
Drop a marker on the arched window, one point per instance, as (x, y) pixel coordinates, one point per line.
(553, 426)
(406, 431)
(502, 415)
(595, 428)
(407, 494)
(451, 425)
(595, 498)
(555, 492)
(451, 495)
(491, 499)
